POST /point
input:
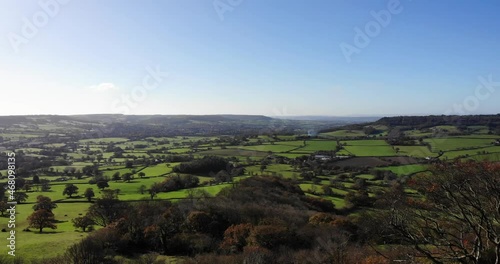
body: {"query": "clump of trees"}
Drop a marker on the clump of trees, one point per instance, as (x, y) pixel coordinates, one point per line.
(203, 166)
(370, 130)
(177, 182)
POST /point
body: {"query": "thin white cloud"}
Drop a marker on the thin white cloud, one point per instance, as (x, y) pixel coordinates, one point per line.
(104, 87)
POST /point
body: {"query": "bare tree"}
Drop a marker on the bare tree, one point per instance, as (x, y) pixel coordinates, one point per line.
(459, 217)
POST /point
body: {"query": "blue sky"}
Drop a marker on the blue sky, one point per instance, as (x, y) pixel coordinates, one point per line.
(279, 57)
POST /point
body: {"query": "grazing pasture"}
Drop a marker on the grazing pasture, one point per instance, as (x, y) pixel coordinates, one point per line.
(371, 150)
(102, 141)
(368, 142)
(317, 145)
(415, 151)
(52, 242)
(405, 169)
(344, 133)
(278, 148)
(457, 143)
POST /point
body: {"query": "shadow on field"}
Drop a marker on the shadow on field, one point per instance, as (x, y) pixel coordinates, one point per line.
(69, 201)
(75, 197)
(47, 232)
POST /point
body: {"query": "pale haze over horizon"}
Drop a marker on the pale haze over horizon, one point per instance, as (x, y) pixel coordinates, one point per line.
(258, 57)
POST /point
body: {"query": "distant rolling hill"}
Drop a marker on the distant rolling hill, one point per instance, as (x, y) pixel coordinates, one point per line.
(168, 125)
(343, 119)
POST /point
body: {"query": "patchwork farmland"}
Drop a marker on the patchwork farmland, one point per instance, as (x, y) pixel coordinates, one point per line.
(334, 166)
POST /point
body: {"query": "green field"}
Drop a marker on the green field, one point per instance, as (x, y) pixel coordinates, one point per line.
(338, 202)
(19, 135)
(158, 170)
(488, 157)
(55, 145)
(283, 169)
(367, 151)
(367, 142)
(406, 169)
(344, 133)
(365, 176)
(102, 140)
(480, 136)
(448, 129)
(33, 245)
(110, 173)
(32, 150)
(293, 155)
(415, 151)
(418, 133)
(316, 145)
(180, 194)
(294, 143)
(472, 152)
(307, 187)
(179, 150)
(457, 143)
(232, 152)
(279, 148)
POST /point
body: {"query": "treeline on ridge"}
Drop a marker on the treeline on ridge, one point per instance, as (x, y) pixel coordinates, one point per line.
(491, 121)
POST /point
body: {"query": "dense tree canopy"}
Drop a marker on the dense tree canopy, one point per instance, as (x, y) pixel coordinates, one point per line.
(205, 165)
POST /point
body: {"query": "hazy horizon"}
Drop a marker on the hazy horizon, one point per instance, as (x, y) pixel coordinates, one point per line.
(272, 58)
(290, 117)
